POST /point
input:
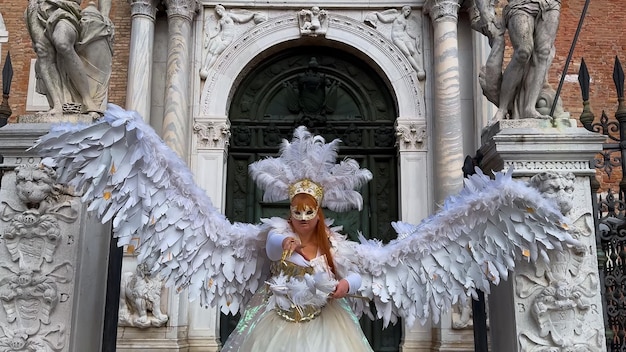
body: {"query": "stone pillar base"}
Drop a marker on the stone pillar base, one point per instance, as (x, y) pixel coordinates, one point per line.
(554, 306)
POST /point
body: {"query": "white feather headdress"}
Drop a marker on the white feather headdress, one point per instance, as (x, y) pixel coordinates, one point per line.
(309, 158)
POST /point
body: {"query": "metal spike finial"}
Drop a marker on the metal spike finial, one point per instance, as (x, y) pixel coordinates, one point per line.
(7, 77)
(587, 116)
(618, 78)
(584, 79)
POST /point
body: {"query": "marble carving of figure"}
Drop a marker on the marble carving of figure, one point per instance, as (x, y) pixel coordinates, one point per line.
(312, 22)
(140, 299)
(532, 27)
(402, 35)
(73, 63)
(218, 38)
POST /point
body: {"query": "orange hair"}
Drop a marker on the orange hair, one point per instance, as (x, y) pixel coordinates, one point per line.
(320, 236)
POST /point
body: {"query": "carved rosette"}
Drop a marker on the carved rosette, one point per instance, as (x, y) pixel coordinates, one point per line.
(32, 284)
(212, 134)
(411, 135)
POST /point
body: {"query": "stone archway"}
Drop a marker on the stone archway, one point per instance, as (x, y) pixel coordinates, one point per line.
(384, 56)
(211, 114)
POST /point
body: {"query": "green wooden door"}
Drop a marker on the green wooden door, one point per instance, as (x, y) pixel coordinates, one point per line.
(335, 95)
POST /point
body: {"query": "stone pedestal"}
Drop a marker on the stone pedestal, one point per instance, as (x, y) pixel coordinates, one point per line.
(53, 255)
(555, 306)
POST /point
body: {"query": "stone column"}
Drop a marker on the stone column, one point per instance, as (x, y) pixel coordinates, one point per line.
(208, 163)
(176, 119)
(412, 141)
(555, 307)
(138, 90)
(448, 154)
(448, 140)
(53, 255)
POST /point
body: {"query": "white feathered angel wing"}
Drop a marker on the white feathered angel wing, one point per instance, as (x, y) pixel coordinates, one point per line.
(471, 243)
(128, 175)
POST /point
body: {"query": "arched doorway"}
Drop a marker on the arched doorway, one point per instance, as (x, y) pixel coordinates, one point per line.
(337, 95)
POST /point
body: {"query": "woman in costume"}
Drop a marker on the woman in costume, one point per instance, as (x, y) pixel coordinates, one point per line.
(297, 247)
(485, 228)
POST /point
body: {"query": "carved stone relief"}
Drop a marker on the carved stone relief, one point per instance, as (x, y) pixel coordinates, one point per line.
(212, 134)
(560, 296)
(140, 299)
(34, 281)
(411, 136)
(313, 22)
(220, 29)
(405, 32)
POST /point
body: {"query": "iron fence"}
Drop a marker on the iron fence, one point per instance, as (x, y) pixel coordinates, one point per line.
(610, 207)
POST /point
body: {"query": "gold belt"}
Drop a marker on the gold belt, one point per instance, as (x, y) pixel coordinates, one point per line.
(294, 314)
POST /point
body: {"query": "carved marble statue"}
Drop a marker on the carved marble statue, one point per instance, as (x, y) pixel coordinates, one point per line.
(218, 38)
(405, 37)
(313, 22)
(74, 53)
(532, 27)
(140, 295)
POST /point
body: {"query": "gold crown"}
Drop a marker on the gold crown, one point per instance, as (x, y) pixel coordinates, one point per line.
(309, 187)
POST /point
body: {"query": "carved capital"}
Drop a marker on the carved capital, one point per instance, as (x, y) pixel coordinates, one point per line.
(145, 8)
(440, 10)
(181, 8)
(410, 135)
(212, 134)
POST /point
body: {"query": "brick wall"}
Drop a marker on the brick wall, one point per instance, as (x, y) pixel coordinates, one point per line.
(602, 38)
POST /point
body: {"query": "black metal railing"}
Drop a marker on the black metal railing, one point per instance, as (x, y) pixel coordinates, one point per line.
(610, 207)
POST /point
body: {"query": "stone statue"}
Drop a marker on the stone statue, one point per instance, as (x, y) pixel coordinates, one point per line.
(140, 294)
(407, 39)
(532, 27)
(218, 38)
(74, 53)
(313, 22)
